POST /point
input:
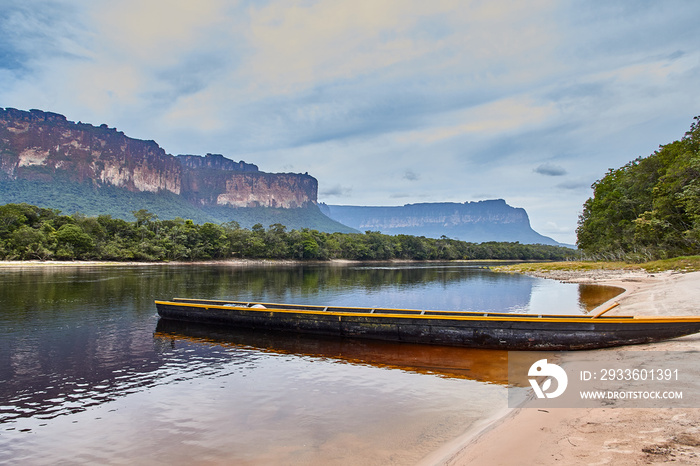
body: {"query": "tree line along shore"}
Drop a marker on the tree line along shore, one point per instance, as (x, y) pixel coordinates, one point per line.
(29, 232)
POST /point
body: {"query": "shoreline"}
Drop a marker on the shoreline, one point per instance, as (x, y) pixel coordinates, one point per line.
(587, 436)
(240, 262)
(74, 263)
(226, 262)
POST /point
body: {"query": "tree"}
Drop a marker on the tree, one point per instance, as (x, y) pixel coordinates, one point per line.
(73, 242)
(213, 241)
(309, 245)
(648, 208)
(143, 217)
(30, 243)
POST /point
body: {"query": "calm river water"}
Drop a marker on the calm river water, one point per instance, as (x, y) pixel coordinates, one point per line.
(88, 374)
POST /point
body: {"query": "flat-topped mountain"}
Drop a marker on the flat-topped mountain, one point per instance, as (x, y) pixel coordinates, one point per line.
(50, 161)
(477, 222)
(38, 145)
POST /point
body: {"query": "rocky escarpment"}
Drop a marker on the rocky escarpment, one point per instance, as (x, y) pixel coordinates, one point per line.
(215, 162)
(491, 220)
(216, 180)
(426, 215)
(37, 145)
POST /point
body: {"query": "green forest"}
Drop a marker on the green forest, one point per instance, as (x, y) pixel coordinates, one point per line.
(649, 209)
(30, 232)
(89, 199)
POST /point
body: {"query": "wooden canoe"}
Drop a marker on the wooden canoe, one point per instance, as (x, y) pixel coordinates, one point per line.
(506, 331)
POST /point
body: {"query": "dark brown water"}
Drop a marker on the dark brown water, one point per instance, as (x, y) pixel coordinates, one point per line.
(89, 375)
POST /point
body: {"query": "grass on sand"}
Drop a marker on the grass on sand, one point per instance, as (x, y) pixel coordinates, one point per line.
(681, 264)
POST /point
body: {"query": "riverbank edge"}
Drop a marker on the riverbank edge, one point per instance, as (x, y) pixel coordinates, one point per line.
(240, 263)
(630, 435)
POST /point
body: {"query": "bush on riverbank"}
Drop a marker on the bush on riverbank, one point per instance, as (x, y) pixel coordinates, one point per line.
(30, 232)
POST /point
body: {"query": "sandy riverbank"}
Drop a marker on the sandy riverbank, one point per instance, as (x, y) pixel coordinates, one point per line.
(620, 436)
(223, 262)
(229, 262)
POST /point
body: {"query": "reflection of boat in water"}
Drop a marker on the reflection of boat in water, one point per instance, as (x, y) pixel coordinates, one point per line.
(454, 328)
(453, 362)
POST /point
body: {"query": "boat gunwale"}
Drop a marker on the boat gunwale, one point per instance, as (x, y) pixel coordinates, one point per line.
(418, 314)
(384, 311)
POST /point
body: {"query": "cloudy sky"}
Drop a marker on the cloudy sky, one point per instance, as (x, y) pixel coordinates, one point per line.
(385, 102)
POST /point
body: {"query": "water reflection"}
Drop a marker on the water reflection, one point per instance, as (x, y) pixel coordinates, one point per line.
(592, 296)
(77, 337)
(490, 366)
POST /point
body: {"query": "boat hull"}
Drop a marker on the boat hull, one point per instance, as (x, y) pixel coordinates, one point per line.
(455, 329)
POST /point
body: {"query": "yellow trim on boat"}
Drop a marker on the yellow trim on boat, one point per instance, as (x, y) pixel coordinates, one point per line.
(320, 308)
(501, 317)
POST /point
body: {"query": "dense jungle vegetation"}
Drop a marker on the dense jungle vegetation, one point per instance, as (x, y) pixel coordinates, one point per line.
(30, 232)
(649, 209)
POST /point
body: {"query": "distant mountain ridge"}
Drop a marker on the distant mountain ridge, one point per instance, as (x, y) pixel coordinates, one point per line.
(477, 222)
(88, 167)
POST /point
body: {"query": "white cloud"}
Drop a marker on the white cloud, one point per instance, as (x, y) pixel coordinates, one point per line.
(300, 44)
(493, 118)
(157, 33)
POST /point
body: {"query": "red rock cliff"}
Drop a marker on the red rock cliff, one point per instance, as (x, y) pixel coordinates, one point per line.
(46, 146)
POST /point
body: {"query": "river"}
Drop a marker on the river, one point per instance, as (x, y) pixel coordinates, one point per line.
(89, 375)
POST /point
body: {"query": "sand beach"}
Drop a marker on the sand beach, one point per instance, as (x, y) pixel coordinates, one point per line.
(600, 436)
